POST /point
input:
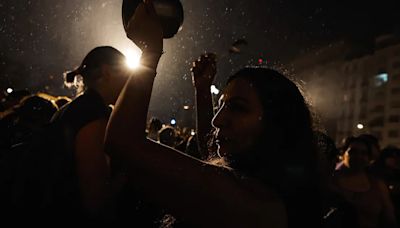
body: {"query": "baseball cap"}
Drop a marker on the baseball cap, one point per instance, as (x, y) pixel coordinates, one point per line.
(94, 59)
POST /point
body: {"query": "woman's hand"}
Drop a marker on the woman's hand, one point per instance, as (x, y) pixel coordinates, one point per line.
(203, 71)
(144, 29)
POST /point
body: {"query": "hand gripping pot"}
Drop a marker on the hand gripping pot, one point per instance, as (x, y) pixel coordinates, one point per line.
(170, 13)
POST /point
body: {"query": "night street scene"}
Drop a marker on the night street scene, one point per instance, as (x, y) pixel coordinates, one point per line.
(184, 113)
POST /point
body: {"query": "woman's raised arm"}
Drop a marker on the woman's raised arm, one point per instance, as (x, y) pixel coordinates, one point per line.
(200, 193)
(203, 73)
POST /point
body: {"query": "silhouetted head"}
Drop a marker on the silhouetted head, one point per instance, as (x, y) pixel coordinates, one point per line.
(389, 158)
(358, 154)
(155, 124)
(167, 136)
(35, 111)
(103, 69)
(264, 125)
(264, 130)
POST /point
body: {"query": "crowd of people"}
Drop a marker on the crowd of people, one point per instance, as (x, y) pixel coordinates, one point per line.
(257, 162)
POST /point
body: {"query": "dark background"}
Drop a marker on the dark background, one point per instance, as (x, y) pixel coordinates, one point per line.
(40, 39)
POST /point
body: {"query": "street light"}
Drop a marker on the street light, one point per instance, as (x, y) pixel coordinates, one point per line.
(9, 90)
(360, 126)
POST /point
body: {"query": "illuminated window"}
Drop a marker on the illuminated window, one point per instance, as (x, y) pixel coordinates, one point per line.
(381, 79)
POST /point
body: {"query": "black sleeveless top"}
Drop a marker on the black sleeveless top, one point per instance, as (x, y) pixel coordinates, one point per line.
(70, 120)
(82, 110)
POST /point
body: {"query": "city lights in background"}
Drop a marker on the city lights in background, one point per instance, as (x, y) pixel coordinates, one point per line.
(360, 126)
(214, 90)
(132, 58)
(9, 90)
(381, 79)
(261, 61)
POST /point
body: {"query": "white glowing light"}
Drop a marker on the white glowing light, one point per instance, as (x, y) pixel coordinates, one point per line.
(360, 126)
(186, 107)
(214, 90)
(192, 132)
(10, 90)
(132, 58)
(173, 121)
(381, 79)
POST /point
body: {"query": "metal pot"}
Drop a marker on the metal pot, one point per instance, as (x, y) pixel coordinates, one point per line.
(170, 13)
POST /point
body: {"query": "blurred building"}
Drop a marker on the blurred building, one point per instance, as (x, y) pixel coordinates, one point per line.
(355, 89)
(320, 70)
(370, 93)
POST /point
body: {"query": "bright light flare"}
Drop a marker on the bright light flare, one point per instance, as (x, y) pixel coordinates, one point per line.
(9, 90)
(186, 107)
(360, 126)
(214, 90)
(132, 58)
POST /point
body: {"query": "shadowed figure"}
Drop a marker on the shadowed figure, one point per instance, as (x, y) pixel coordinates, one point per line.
(83, 121)
(366, 194)
(264, 134)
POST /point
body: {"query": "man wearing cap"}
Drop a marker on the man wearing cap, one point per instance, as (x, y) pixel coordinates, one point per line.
(103, 72)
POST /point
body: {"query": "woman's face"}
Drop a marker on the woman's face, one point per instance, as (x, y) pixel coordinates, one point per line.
(356, 156)
(238, 121)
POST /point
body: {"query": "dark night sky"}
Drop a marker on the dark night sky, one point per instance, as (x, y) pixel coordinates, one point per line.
(40, 38)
